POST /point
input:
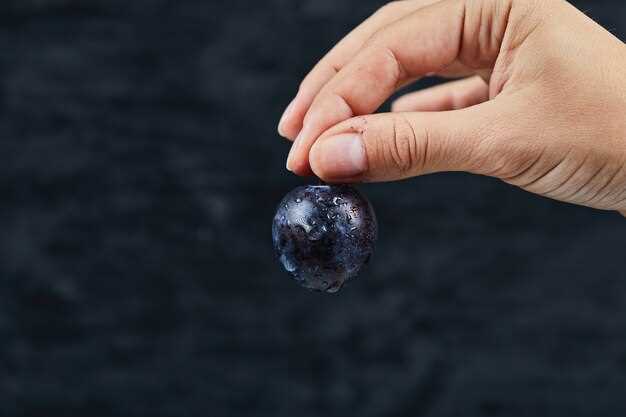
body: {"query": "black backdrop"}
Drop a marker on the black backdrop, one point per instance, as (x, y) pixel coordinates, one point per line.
(139, 171)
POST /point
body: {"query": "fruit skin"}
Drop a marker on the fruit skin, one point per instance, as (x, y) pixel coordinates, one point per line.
(324, 235)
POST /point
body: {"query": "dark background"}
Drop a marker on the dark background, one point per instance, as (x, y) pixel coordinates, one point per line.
(139, 172)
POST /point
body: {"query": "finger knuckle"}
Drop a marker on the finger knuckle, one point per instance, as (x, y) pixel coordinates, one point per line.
(484, 25)
(374, 39)
(614, 197)
(402, 147)
(384, 68)
(512, 161)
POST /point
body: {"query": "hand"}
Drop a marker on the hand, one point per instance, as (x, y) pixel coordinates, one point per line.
(542, 104)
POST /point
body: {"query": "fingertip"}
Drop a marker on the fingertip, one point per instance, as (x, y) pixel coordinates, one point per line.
(296, 163)
(300, 168)
(281, 130)
(289, 129)
(339, 158)
(316, 161)
(290, 122)
(399, 105)
(318, 118)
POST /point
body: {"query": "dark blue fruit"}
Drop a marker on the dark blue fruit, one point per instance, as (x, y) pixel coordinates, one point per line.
(324, 234)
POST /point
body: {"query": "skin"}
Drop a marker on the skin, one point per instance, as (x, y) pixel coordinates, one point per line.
(540, 103)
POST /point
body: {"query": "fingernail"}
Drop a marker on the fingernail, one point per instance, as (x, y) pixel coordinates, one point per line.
(293, 151)
(342, 156)
(284, 117)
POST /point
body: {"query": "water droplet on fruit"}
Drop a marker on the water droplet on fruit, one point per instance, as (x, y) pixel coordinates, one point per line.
(298, 200)
(289, 266)
(337, 201)
(316, 233)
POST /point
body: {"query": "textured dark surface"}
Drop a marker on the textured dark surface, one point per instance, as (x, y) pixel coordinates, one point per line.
(324, 235)
(140, 170)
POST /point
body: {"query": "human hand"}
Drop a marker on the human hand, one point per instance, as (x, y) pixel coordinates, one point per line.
(542, 105)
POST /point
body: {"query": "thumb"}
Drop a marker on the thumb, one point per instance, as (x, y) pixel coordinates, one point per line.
(393, 146)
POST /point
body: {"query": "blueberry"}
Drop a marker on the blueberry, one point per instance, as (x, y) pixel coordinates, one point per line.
(324, 235)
